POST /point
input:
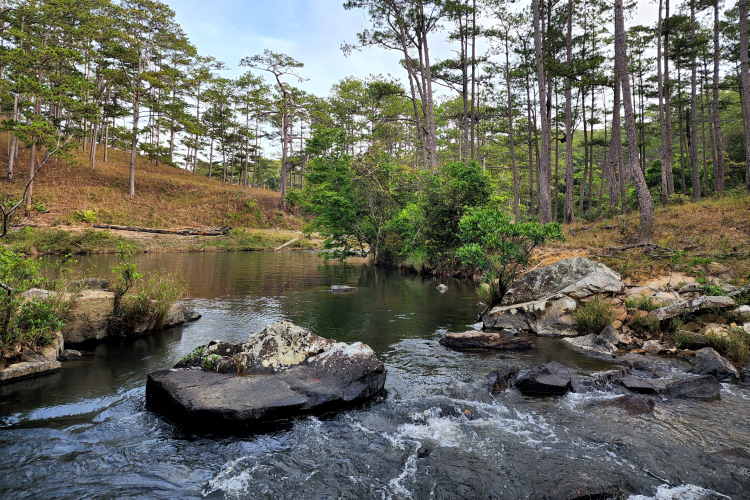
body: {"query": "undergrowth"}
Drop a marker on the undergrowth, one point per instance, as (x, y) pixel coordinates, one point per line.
(593, 316)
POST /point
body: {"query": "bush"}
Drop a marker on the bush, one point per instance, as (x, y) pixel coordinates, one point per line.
(593, 316)
(88, 216)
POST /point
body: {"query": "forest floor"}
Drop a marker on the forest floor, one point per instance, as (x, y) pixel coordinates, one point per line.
(710, 237)
(70, 197)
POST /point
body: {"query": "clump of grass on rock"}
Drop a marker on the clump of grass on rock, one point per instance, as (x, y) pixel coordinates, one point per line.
(593, 316)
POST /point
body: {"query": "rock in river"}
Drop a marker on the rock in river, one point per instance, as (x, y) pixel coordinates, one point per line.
(709, 362)
(592, 345)
(485, 340)
(544, 380)
(281, 372)
(702, 387)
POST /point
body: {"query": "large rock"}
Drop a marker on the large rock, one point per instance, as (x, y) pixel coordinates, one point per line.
(40, 362)
(745, 373)
(177, 314)
(485, 340)
(544, 380)
(499, 380)
(577, 277)
(89, 316)
(548, 317)
(281, 372)
(709, 362)
(701, 387)
(592, 345)
(688, 306)
(641, 385)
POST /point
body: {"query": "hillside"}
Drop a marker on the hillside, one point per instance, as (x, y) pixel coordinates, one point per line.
(74, 198)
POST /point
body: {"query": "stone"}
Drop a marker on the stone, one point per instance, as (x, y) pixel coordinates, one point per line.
(692, 340)
(70, 355)
(284, 371)
(550, 379)
(580, 276)
(745, 373)
(43, 361)
(709, 362)
(746, 327)
(611, 335)
(592, 345)
(89, 316)
(633, 405)
(342, 288)
(701, 387)
(703, 302)
(499, 380)
(36, 294)
(90, 284)
(485, 340)
(663, 299)
(547, 317)
(653, 347)
(640, 385)
(441, 287)
(743, 310)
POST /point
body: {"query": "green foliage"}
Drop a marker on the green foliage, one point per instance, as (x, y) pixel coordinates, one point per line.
(196, 353)
(641, 303)
(88, 216)
(154, 295)
(499, 248)
(593, 316)
(39, 318)
(715, 291)
(125, 271)
(735, 346)
(209, 362)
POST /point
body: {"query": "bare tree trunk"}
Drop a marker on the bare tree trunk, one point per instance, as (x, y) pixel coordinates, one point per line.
(531, 146)
(556, 186)
(666, 157)
(719, 145)
(614, 146)
(745, 78)
(569, 215)
(92, 155)
(693, 140)
(106, 141)
(662, 123)
(645, 202)
(473, 71)
(545, 171)
(516, 201)
(13, 141)
(133, 147)
(682, 132)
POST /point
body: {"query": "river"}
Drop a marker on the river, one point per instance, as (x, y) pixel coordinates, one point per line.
(84, 432)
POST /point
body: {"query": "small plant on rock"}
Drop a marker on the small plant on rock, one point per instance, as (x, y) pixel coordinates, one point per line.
(593, 316)
(210, 362)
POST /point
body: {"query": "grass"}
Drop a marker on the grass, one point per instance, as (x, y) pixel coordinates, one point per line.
(594, 316)
(641, 303)
(166, 196)
(713, 231)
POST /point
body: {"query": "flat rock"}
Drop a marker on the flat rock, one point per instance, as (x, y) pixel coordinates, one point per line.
(43, 361)
(592, 345)
(580, 276)
(282, 372)
(700, 387)
(551, 379)
(485, 340)
(709, 362)
(641, 385)
(687, 306)
(70, 355)
(633, 405)
(611, 335)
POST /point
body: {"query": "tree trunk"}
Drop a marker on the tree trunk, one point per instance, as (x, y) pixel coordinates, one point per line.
(682, 132)
(516, 201)
(92, 155)
(106, 141)
(645, 202)
(473, 71)
(134, 146)
(545, 171)
(662, 124)
(13, 141)
(614, 148)
(531, 146)
(694, 112)
(718, 143)
(745, 78)
(666, 156)
(569, 193)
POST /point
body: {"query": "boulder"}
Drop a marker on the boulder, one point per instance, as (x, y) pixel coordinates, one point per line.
(709, 362)
(592, 345)
(550, 379)
(41, 362)
(547, 317)
(743, 311)
(89, 316)
(633, 405)
(641, 385)
(499, 380)
(700, 387)
(577, 277)
(653, 347)
(281, 372)
(745, 373)
(441, 287)
(36, 293)
(342, 288)
(70, 355)
(177, 314)
(485, 340)
(687, 306)
(611, 335)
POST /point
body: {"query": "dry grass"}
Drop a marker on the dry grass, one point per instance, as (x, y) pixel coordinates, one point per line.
(715, 229)
(166, 196)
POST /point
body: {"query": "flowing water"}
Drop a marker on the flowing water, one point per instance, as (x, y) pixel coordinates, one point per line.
(84, 432)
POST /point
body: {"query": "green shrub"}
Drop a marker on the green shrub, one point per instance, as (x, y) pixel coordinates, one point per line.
(735, 346)
(88, 216)
(209, 362)
(593, 316)
(715, 291)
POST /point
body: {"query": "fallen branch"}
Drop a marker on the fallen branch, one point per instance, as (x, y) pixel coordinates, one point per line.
(287, 244)
(214, 231)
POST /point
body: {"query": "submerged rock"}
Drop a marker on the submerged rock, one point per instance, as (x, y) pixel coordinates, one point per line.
(342, 288)
(70, 355)
(499, 380)
(485, 340)
(709, 362)
(551, 379)
(641, 385)
(281, 372)
(633, 405)
(701, 387)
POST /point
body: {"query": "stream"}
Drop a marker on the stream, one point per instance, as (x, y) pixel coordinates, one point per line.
(437, 433)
